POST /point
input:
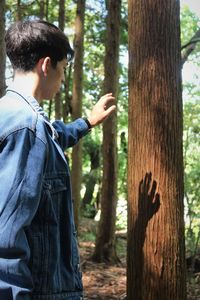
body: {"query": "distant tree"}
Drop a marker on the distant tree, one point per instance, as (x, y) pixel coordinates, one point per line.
(61, 25)
(42, 9)
(190, 46)
(61, 15)
(92, 149)
(77, 104)
(18, 11)
(105, 242)
(156, 250)
(2, 48)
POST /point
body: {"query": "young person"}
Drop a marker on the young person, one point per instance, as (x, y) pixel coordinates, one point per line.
(38, 249)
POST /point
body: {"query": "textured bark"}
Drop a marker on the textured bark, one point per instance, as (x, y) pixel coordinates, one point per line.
(77, 104)
(156, 251)
(105, 243)
(2, 48)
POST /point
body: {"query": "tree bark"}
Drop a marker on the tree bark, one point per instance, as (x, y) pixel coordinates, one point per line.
(156, 250)
(2, 48)
(105, 242)
(77, 104)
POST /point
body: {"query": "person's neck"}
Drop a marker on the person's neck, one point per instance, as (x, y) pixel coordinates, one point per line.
(28, 83)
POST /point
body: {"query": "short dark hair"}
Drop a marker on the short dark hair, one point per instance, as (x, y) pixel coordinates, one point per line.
(28, 41)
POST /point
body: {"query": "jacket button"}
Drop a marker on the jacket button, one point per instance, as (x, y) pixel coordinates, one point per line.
(78, 267)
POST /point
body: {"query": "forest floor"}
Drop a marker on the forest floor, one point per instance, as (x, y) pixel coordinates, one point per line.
(107, 282)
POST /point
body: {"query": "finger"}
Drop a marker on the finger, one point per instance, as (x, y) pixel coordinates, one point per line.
(153, 189)
(141, 187)
(148, 183)
(107, 95)
(106, 99)
(109, 110)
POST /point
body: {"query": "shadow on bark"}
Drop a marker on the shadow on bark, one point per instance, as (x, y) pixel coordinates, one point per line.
(148, 205)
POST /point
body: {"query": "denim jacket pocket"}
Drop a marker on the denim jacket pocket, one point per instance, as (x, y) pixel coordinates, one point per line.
(44, 236)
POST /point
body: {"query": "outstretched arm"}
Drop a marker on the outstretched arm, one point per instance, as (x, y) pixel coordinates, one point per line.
(70, 134)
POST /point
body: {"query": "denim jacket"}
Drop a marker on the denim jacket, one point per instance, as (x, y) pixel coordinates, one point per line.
(38, 249)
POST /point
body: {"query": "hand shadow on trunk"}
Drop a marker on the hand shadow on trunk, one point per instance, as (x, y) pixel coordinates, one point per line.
(148, 206)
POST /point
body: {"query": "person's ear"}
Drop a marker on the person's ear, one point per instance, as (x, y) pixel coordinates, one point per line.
(44, 64)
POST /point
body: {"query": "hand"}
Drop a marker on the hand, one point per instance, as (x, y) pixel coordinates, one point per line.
(102, 110)
(149, 200)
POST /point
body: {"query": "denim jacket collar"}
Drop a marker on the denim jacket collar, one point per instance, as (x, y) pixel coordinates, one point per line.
(29, 99)
(35, 106)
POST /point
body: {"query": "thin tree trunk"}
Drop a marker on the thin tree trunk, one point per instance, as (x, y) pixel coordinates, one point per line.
(77, 104)
(61, 17)
(47, 10)
(61, 25)
(92, 177)
(156, 250)
(2, 48)
(67, 109)
(105, 242)
(58, 113)
(42, 9)
(18, 11)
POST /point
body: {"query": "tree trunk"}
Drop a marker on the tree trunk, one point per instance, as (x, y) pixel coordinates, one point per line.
(58, 113)
(67, 108)
(61, 16)
(92, 177)
(156, 250)
(47, 10)
(77, 104)
(105, 242)
(18, 11)
(42, 9)
(61, 25)
(2, 48)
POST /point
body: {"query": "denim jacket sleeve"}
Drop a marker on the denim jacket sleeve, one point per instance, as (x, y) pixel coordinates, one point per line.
(22, 162)
(69, 134)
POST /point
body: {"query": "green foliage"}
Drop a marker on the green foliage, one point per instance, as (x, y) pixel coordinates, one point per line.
(121, 214)
(192, 172)
(88, 236)
(94, 45)
(190, 23)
